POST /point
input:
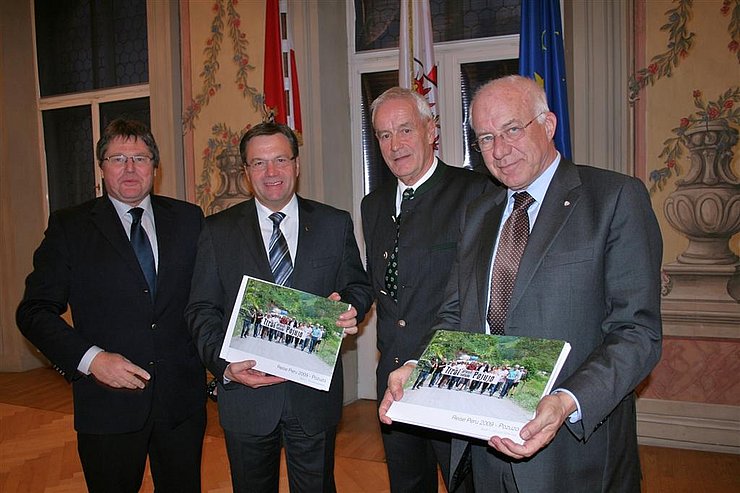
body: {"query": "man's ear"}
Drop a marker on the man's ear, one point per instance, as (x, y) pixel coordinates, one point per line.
(432, 130)
(551, 123)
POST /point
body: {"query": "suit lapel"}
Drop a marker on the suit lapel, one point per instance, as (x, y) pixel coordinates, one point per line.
(254, 257)
(488, 232)
(164, 223)
(105, 218)
(385, 229)
(561, 199)
(307, 242)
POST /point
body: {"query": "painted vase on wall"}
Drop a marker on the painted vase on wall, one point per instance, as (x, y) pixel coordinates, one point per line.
(705, 206)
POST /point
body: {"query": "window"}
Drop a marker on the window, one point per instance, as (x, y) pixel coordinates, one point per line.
(92, 63)
(475, 41)
(377, 21)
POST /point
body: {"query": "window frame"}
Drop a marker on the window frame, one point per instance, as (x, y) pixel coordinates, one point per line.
(450, 56)
(93, 99)
(160, 26)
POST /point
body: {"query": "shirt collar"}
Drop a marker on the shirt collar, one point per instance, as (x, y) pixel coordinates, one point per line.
(402, 186)
(538, 188)
(122, 208)
(290, 210)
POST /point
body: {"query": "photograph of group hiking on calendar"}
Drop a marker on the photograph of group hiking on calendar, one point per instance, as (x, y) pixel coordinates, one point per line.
(289, 333)
(479, 385)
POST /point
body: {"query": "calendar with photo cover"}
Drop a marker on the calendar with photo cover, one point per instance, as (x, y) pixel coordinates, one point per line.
(480, 385)
(289, 333)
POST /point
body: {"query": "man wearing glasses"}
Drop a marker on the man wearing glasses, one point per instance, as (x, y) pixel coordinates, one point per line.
(283, 238)
(123, 263)
(566, 252)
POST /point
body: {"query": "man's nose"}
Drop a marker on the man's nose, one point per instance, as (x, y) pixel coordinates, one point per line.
(500, 148)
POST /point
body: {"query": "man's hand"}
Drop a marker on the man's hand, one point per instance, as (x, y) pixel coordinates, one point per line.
(243, 373)
(348, 319)
(394, 392)
(552, 411)
(115, 371)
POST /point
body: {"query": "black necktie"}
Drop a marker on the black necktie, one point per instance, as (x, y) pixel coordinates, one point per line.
(280, 263)
(143, 249)
(391, 272)
(511, 246)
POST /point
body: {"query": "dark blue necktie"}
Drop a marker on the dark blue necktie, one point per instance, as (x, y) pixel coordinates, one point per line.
(280, 263)
(391, 270)
(143, 249)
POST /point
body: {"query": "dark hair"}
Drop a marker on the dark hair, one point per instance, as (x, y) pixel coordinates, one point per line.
(127, 129)
(268, 128)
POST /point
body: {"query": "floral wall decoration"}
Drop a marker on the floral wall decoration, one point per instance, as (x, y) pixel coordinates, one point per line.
(221, 158)
(732, 8)
(680, 42)
(211, 64)
(725, 110)
(222, 96)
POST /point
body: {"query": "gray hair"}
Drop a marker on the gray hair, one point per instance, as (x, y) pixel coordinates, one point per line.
(422, 105)
(535, 94)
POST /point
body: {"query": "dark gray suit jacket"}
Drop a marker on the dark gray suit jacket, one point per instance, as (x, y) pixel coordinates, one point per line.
(429, 234)
(327, 260)
(590, 275)
(86, 261)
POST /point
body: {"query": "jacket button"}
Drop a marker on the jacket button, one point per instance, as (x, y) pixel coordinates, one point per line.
(395, 360)
(154, 326)
(385, 255)
(151, 363)
(402, 323)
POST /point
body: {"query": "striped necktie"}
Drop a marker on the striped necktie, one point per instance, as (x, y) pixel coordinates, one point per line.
(280, 263)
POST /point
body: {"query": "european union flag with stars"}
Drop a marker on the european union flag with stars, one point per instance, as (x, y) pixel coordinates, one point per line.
(541, 57)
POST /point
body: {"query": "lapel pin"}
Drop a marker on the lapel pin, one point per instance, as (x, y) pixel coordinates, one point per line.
(566, 203)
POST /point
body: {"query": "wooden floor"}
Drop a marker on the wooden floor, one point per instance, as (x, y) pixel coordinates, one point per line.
(38, 450)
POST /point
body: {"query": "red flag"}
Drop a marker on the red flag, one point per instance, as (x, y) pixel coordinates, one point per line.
(282, 101)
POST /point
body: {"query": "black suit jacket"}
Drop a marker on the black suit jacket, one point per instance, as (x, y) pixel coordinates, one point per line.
(429, 232)
(327, 260)
(86, 261)
(590, 275)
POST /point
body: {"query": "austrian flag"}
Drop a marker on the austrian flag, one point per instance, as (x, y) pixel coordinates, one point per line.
(282, 102)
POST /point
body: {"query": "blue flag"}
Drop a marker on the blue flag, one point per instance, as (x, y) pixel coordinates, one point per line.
(541, 58)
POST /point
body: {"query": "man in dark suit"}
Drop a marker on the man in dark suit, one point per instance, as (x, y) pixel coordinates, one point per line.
(138, 385)
(260, 412)
(426, 227)
(589, 274)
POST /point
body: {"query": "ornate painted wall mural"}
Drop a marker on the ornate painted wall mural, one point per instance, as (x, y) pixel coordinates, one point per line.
(222, 79)
(687, 101)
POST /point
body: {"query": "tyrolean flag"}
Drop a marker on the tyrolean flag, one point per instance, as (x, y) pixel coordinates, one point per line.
(416, 66)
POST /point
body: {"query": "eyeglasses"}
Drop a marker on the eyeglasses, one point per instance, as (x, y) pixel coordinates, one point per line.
(122, 159)
(512, 134)
(278, 162)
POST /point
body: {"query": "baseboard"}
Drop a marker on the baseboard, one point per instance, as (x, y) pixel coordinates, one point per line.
(688, 425)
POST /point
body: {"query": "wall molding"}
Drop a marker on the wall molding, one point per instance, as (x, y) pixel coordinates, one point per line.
(689, 425)
(598, 55)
